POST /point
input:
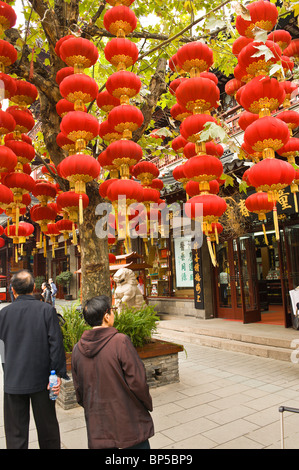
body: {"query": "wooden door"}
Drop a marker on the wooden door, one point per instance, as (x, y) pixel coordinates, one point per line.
(248, 279)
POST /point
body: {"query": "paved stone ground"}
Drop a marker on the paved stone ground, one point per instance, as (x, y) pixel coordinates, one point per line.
(224, 400)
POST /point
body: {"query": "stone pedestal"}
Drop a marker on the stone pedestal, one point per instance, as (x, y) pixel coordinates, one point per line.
(161, 363)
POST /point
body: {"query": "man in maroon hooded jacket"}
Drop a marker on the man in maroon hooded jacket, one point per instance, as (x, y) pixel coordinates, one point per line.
(110, 383)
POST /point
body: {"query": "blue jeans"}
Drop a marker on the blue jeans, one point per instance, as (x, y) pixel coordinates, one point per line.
(53, 300)
(141, 445)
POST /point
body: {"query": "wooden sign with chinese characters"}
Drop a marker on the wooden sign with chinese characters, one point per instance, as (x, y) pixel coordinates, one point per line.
(285, 206)
(198, 280)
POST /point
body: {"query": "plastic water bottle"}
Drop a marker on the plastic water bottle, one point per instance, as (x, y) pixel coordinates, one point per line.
(52, 382)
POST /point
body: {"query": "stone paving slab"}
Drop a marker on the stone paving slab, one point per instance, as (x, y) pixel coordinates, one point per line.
(224, 400)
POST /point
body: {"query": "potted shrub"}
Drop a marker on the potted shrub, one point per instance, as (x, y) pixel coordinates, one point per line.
(72, 329)
(38, 282)
(64, 279)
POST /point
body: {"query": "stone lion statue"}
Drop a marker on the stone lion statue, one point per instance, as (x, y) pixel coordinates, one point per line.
(126, 291)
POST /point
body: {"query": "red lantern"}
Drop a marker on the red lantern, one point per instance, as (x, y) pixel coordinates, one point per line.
(178, 144)
(25, 94)
(79, 53)
(179, 175)
(65, 143)
(157, 184)
(79, 127)
(260, 65)
(262, 15)
(64, 106)
(246, 119)
(290, 150)
(173, 86)
(10, 86)
(60, 42)
(123, 85)
(241, 74)
(43, 215)
(272, 175)
(125, 119)
(112, 258)
(80, 169)
(45, 192)
(106, 102)
(8, 17)
(198, 95)
(213, 207)
(120, 21)
(121, 52)
(262, 95)
(232, 86)
(7, 122)
(25, 152)
(103, 188)
(239, 44)
(65, 227)
(145, 171)
(8, 159)
(267, 134)
(210, 76)
(179, 113)
(192, 126)
(52, 232)
(8, 54)
(203, 168)
(70, 203)
(291, 118)
(108, 133)
(259, 204)
(195, 57)
(2, 242)
(79, 89)
(123, 154)
(62, 73)
(23, 119)
(6, 196)
(281, 37)
(293, 49)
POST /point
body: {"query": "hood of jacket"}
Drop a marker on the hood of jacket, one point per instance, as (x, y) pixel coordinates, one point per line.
(92, 341)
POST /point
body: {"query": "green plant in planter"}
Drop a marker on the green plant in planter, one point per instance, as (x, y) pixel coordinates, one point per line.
(73, 327)
(64, 279)
(137, 323)
(38, 282)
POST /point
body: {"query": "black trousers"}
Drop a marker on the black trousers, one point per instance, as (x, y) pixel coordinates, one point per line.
(17, 416)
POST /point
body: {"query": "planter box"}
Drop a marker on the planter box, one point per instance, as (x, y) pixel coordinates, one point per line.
(160, 359)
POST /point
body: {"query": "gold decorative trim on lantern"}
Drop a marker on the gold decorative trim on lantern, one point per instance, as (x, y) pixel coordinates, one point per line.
(264, 106)
(260, 145)
(198, 106)
(263, 24)
(121, 61)
(78, 62)
(120, 28)
(195, 66)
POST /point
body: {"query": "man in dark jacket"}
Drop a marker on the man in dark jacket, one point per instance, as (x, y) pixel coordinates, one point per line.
(33, 346)
(110, 383)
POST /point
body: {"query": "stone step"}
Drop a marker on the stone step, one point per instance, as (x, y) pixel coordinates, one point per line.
(268, 347)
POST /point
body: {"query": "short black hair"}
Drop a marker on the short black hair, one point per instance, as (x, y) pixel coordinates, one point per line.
(95, 309)
(38, 296)
(23, 282)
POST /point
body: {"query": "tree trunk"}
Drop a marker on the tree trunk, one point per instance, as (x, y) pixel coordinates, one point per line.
(94, 252)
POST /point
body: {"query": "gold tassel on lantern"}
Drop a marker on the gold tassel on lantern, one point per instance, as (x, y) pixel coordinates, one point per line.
(265, 235)
(211, 251)
(74, 234)
(53, 251)
(45, 247)
(16, 254)
(80, 210)
(65, 247)
(276, 226)
(17, 219)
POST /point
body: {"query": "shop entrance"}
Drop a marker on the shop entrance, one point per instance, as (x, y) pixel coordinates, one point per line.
(254, 276)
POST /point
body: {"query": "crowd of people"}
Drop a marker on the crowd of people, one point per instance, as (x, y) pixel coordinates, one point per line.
(108, 375)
